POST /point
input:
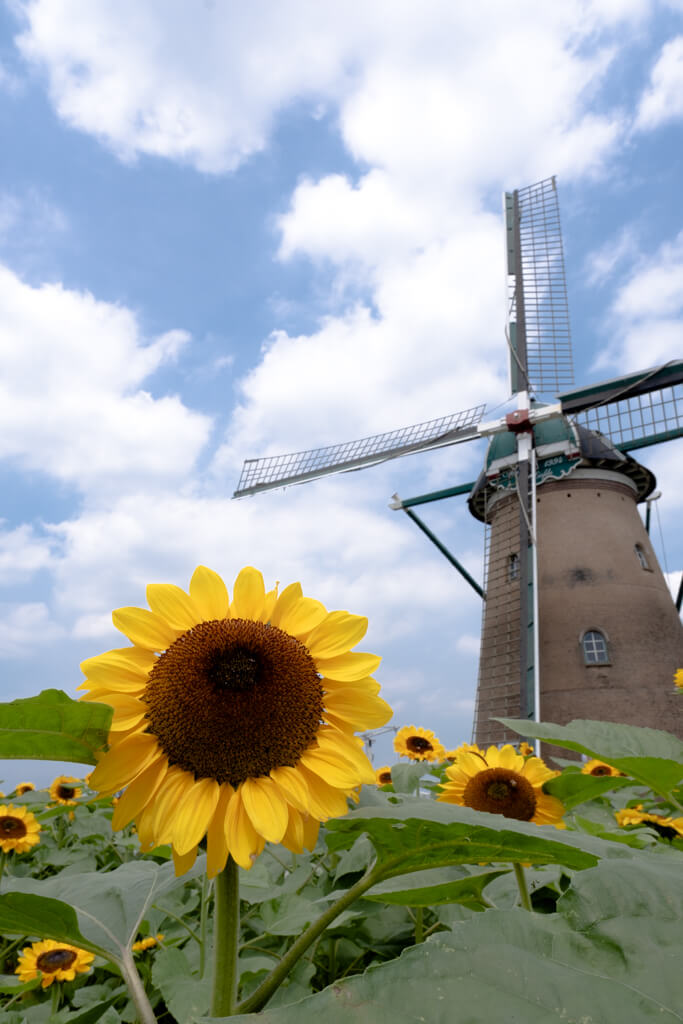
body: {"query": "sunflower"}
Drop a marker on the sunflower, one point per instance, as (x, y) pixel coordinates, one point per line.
(595, 767)
(24, 787)
(53, 961)
(18, 829)
(64, 791)
(233, 719)
(147, 943)
(503, 782)
(668, 828)
(678, 679)
(453, 755)
(383, 776)
(525, 749)
(419, 744)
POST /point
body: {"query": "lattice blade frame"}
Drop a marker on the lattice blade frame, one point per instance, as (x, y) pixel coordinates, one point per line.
(297, 467)
(538, 314)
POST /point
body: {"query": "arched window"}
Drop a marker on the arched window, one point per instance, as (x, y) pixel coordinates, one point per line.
(594, 646)
(641, 556)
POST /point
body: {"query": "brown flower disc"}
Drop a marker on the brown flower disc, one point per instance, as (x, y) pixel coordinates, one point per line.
(418, 744)
(232, 699)
(56, 960)
(501, 791)
(11, 827)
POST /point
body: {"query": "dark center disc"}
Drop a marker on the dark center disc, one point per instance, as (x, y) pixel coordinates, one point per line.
(12, 828)
(56, 960)
(385, 778)
(232, 699)
(418, 744)
(600, 769)
(501, 791)
(65, 792)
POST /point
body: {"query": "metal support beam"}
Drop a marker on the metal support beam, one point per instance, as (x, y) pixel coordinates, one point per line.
(442, 547)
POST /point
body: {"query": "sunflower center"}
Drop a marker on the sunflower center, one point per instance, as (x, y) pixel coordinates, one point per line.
(501, 791)
(11, 828)
(419, 744)
(65, 792)
(601, 769)
(55, 960)
(385, 778)
(232, 699)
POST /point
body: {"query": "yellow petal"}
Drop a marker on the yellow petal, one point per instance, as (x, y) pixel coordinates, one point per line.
(303, 617)
(266, 807)
(210, 594)
(145, 628)
(311, 830)
(348, 667)
(216, 846)
(366, 711)
(249, 593)
(131, 665)
(366, 685)
(351, 748)
(139, 793)
(324, 800)
(240, 835)
(336, 634)
(183, 862)
(173, 605)
(194, 814)
(269, 604)
(333, 768)
(96, 691)
(124, 762)
(170, 796)
(292, 785)
(293, 839)
(285, 602)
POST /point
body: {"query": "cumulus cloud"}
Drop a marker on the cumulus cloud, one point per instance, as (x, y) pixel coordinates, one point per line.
(662, 101)
(23, 552)
(71, 404)
(24, 627)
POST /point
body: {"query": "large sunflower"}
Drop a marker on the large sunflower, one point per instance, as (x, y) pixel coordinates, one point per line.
(18, 829)
(501, 781)
(53, 961)
(233, 719)
(419, 744)
(65, 790)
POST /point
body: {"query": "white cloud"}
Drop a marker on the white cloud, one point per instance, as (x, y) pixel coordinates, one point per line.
(468, 644)
(602, 263)
(25, 627)
(662, 101)
(71, 404)
(26, 219)
(23, 553)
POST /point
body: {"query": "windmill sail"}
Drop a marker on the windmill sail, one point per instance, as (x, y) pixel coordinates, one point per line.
(538, 315)
(298, 467)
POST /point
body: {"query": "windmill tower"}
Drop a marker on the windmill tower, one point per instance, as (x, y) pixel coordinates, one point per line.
(578, 621)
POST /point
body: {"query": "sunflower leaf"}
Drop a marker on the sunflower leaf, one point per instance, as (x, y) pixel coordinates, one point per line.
(650, 756)
(574, 788)
(433, 889)
(53, 727)
(186, 996)
(27, 913)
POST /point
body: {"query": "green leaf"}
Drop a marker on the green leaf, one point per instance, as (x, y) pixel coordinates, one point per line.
(53, 727)
(651, 756)
(422, 833)
(426, 889)
(104, 909)
(186, 996)
(574, 788)
(10, 984)
(405, 778)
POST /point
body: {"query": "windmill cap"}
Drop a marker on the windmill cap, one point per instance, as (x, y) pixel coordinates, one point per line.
(558, 441)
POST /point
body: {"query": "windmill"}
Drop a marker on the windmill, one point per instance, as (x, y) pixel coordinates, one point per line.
(578, 621)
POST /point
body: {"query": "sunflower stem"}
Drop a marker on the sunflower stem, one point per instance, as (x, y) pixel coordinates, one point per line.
(132, 979)
(419, 925)
(226, 931)
(56, 993)
(522, 886)
(258, 999)
(3, 861)
(203, 921)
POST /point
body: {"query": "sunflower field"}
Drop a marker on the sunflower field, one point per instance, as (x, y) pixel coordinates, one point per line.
(280, 877)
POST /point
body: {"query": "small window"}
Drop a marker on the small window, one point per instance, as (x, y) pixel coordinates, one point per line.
(594, 645)
(642, 557)
(513, 566)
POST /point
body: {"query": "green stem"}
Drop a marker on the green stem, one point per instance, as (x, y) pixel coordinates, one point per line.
(522, 886)
(174, 917)
(3, 861)
(56, 993)
(136, 988)
(419, 925)
(258, 999)
(226, 932)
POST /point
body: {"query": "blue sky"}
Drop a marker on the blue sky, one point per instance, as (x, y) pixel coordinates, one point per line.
(230, 230)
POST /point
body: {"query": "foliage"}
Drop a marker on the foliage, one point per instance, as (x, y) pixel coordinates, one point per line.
(420, 900)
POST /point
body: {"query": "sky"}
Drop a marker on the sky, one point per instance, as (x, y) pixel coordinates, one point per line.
(230, 230)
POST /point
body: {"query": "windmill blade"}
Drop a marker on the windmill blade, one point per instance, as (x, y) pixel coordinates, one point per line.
(634, 411)
(298, 467)
(538, 315)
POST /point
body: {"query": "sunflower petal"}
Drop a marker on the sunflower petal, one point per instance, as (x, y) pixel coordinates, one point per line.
(183, 862)
(350, 748)
(336, 634)
(210, 594)
(331, 767)
(293, 839)
(266, 807)
(285, 602)
(348, 667)
(366, 685)
(131, 664)
(367, 711)
(292, 785)
(303, 617)
(325, 801)
(125, 762)
(216, 846)
(193, 815)
(311, 830)
(269, 603)
(172, 605)
(139, 793)
(240, 835)
(249, 594)
(177, 784)
(145, 629)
